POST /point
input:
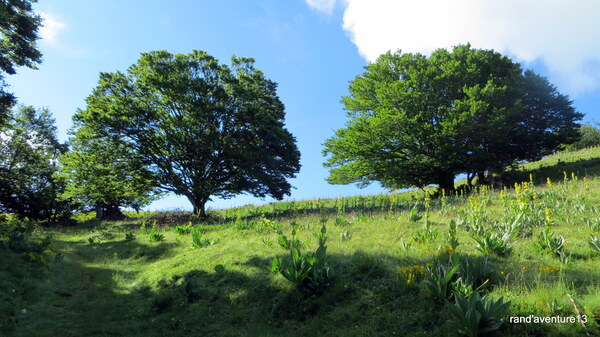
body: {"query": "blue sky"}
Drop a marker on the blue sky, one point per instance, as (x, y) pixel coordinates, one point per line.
(312, 48)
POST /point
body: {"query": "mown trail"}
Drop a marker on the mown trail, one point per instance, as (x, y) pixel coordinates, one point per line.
(79, 296)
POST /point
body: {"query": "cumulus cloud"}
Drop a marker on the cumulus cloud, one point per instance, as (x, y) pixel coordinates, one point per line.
(51, 27)
(562, 35)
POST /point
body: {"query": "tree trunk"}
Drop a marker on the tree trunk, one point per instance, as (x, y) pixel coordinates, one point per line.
(199, 205)
(99, 211)
(108, 212)
(446, 181)
(481, 178)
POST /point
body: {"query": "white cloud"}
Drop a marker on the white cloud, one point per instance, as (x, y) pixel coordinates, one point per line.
(563, 35)
(325, 6)
(51, 27)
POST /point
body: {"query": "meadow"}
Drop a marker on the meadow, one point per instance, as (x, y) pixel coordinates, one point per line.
(414, 263)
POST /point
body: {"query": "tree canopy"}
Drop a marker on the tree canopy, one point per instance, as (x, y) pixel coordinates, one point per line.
(105, 176)
(29, 151)
(18, 33)
(417, 120)
(200, 127)
(589, 136)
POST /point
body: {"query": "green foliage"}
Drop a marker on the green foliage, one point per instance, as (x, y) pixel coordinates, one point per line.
(29, 150)
(184, 229)
(18, 34)
(589, 136)
(417, 120)
(200, 128)
(496, 239)
(199, 240)
(478, 272)
(414, 214)
(427, 234)
(154, 234)
(461, 276)
(340, 221)
(438, 279)
(310, 272)
(129, 236)
(494, 243)
(143, 226)
(452, 238)
(548, 243)
(285, 243)
(103, 175)
(20, 242)
(104, 234)
(475, 315)
(594, 244)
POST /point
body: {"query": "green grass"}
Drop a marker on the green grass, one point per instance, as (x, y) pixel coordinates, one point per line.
(141, 287)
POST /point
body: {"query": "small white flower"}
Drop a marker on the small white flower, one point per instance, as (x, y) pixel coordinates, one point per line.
(23, 311)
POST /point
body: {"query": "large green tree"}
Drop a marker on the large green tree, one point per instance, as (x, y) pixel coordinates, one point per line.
(417, 120)
(29, 151)
(104, 176)
(202, 128)
(18, 33)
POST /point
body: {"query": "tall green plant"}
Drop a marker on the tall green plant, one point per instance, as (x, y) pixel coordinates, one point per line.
(475, 315)
(311, 272)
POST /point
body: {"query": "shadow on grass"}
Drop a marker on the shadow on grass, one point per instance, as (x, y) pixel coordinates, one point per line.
(581, 168)
(82, 296)
(122, 249)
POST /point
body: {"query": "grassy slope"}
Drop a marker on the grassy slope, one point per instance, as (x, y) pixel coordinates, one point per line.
(144, 288)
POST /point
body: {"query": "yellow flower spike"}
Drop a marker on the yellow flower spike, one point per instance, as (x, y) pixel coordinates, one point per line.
(549, 182)
(565, 177)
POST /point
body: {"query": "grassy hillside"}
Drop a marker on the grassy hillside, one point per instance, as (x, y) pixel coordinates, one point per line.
(387, 257)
